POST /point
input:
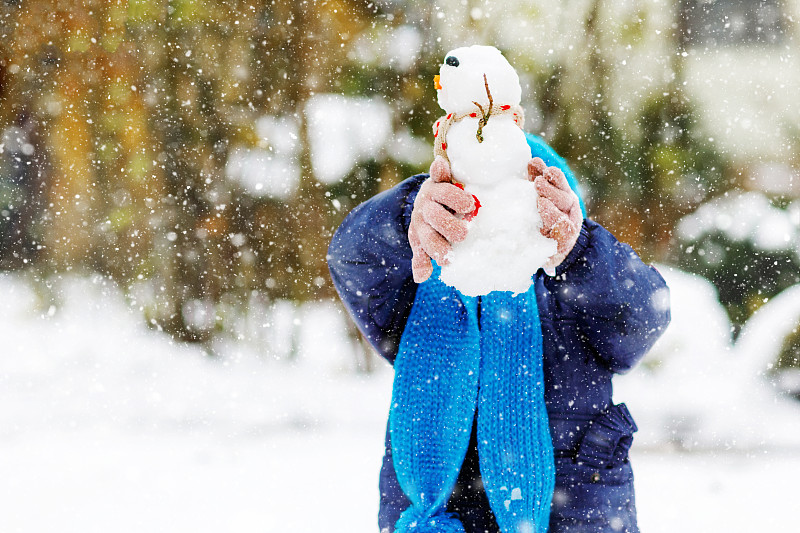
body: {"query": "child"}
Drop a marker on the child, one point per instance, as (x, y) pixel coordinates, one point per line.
(600, 313)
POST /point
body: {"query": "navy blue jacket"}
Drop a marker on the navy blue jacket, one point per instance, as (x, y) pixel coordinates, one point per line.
(600, 314)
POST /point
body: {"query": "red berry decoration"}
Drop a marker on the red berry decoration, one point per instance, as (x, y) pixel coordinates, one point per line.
(470, 216)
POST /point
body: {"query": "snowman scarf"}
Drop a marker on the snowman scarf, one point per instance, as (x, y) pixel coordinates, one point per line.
(462, 357)
(442, 125)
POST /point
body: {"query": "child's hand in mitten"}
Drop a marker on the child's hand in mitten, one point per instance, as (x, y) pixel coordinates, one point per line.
(435, 221)
(559, 208)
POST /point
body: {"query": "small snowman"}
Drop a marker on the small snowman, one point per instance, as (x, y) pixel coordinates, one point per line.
(482, 139)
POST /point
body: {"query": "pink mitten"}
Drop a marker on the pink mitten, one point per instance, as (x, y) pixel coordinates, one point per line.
(433, 227)
(559, 208)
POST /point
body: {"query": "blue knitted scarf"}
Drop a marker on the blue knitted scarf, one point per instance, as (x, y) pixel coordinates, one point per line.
(462, 357)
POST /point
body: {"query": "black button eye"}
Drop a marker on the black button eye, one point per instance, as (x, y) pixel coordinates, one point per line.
(451, 60)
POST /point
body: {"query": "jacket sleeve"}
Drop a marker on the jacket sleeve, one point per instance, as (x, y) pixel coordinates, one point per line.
(370, 263)
(620, 304)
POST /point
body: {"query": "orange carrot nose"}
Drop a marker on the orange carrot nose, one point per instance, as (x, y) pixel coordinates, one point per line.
(436, 83)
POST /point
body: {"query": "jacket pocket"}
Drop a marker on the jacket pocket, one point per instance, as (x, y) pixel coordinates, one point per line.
(607, 439)
(601, 455)
(594, 486)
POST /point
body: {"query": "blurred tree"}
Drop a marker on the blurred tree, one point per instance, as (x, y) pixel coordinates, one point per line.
(789, 356)
(746, 245)
(136, 105)
(648, 170)
(22, 167)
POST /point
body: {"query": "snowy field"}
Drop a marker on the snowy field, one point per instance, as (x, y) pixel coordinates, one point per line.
(108, 426)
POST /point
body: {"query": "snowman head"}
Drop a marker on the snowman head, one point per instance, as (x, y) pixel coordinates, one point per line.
(461, 79)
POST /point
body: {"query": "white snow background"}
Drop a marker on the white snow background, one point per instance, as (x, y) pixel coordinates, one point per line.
(106, 425)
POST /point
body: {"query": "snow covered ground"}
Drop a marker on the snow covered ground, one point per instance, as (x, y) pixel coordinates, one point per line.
(108, 426)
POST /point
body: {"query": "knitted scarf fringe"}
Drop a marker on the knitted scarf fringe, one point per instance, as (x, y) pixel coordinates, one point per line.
(413, 521)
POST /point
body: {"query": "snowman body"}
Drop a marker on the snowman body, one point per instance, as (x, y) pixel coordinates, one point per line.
(504, 246)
